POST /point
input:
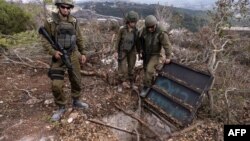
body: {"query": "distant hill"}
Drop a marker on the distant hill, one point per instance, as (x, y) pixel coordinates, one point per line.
(190, 19)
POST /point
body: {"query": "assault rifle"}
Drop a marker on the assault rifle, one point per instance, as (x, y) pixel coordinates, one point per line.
(65, 57)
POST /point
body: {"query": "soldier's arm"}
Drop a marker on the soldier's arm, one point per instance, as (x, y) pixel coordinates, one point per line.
(46, 45)
(138, 41)
(80, 41)
(118, 39)
(165, 42)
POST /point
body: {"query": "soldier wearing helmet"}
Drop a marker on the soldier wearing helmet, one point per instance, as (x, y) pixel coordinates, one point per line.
(63, 29)
(126, 48)
(153, 38)
(66, 2)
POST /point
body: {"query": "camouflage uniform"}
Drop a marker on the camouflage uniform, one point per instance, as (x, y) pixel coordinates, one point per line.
(68, 34)
(126, 53)
(151, 45)
(126, 48)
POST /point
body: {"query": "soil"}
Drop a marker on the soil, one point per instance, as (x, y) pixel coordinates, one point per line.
(26, 106)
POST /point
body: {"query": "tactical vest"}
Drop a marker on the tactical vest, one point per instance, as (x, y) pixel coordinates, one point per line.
(127, 41)
(64, 32)
(151, 41)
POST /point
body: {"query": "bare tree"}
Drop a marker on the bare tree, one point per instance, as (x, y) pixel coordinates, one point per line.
(164, 13)
(221, 44)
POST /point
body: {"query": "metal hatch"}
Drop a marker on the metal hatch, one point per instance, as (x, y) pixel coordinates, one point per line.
(177, 93)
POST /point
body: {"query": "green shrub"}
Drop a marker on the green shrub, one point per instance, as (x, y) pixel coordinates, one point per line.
(13, 19)
(22, 38)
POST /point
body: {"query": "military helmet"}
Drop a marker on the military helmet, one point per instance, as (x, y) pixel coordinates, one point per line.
(67, 2)
(132, 16)
(150, 21)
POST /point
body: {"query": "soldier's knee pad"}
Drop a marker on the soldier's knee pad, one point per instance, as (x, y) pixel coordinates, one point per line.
(56, 74)
(57, 85)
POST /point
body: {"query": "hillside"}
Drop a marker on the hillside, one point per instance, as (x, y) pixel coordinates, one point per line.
(116, 112)
(190, 19)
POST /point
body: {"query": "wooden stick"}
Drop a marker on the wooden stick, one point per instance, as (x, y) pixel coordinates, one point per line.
(43, 63)
(190, 128)
(26, 91)
(25, 64)
(141, 121)
(117, 128)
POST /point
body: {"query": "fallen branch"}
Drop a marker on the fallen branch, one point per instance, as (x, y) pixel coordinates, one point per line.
(113, 127)
(15, 62)
(88, 73)
(26, 64)
(141, 121)
(93, 73)
(190, 128)
(31, 61)
(43, 63)
(18, 56)
(26, 91)
(137, 134)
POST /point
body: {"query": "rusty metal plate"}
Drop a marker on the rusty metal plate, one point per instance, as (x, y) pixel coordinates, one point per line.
(175, 89)
(174, 110)
(190, 76)
(177, 93)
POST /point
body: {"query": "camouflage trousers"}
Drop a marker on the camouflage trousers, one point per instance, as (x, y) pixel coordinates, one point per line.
(56, 74)
(126, 66)
(149, 70)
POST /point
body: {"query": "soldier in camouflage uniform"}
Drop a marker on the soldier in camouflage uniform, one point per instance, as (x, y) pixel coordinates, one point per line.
(64, 29)
(152, 38)
(126, 48)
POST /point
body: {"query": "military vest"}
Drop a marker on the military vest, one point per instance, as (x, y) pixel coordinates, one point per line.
(151, 41)
(127, 41)
(64, 32)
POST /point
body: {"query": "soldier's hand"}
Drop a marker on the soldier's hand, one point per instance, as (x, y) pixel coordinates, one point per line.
(58, 55)
(140, 56)
(167, 61)
(116, 55)
(82, 59)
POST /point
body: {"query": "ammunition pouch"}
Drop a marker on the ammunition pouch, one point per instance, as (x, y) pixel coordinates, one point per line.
(127, 46)
(66, 36)
(56, 74)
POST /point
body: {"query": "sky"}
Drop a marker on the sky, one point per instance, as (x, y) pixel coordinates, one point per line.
(191, 4)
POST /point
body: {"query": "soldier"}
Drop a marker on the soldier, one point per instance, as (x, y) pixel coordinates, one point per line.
(152, 38)
(64, 29)
(126, 49)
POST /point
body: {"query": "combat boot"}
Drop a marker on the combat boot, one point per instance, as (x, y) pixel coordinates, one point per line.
(144, 91)
(58, 114)
(78, 104)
